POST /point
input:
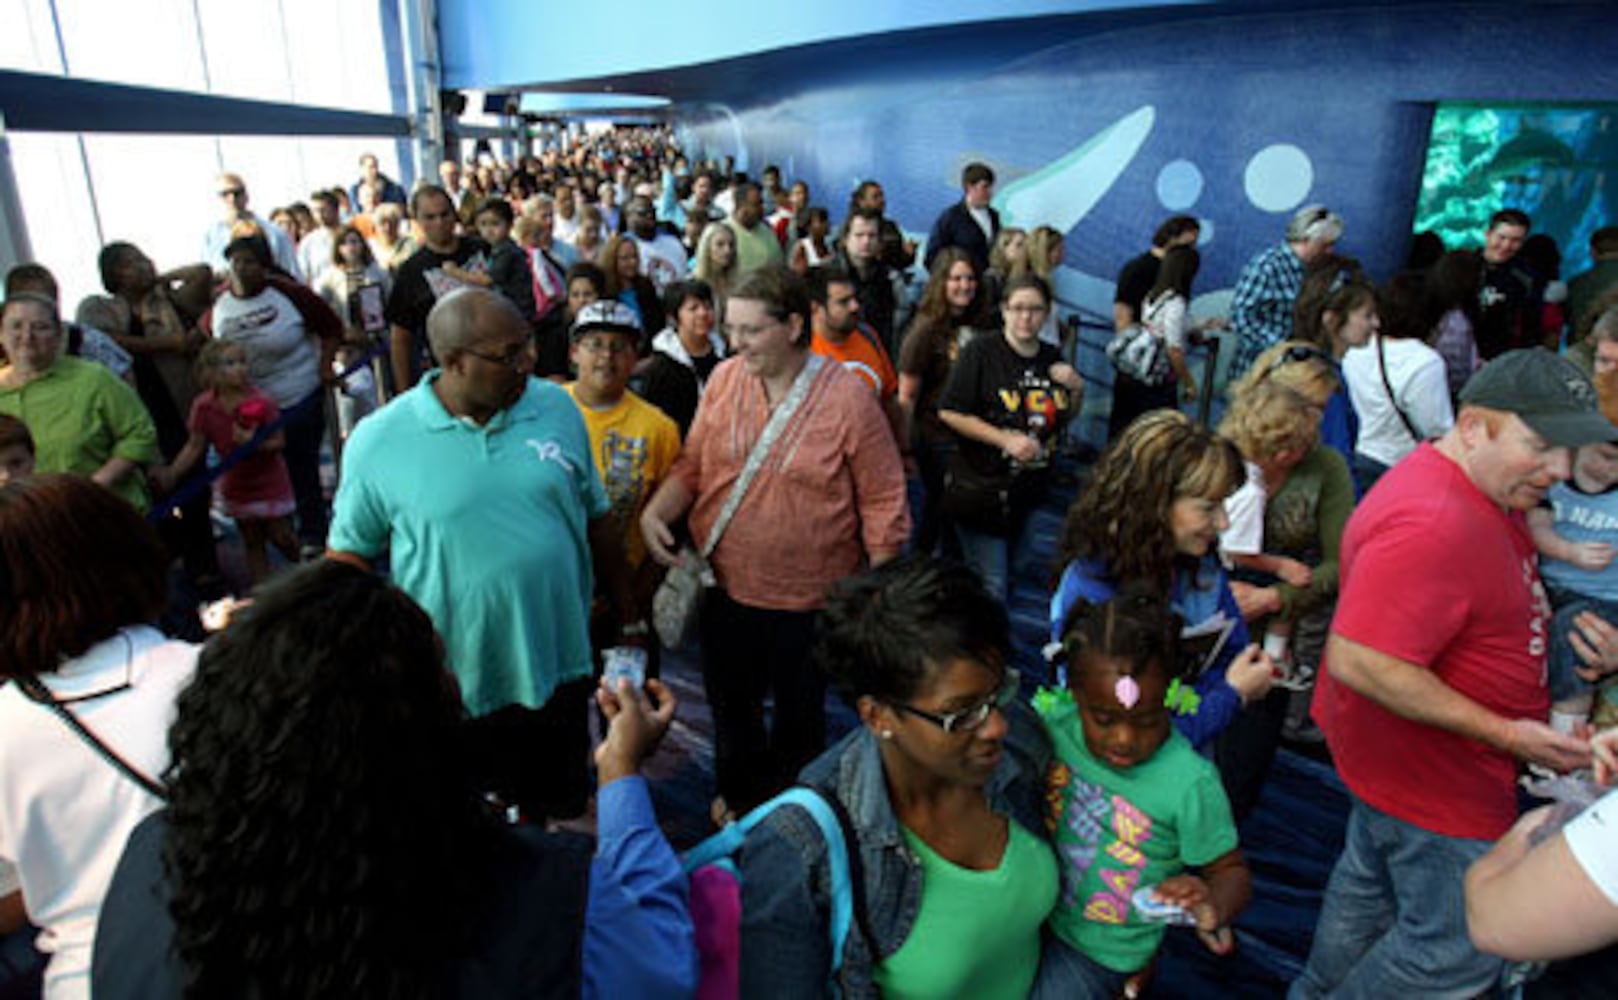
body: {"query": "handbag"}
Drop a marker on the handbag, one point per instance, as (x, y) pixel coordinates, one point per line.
(678, 601)
(1393, 397)
(974, 501)
(1139, 353)
(35, 691)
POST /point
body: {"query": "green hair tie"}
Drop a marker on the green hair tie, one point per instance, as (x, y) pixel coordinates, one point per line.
(1048, 700)
(1182, 699)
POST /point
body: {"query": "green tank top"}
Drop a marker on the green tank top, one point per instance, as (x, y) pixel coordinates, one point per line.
(977, 932)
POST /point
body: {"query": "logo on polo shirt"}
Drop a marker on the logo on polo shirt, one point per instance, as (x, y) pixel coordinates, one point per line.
(550, 451)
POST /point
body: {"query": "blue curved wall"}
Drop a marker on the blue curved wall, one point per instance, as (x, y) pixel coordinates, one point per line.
(1104, 129)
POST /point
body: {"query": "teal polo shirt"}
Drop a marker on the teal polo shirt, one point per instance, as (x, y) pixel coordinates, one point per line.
(488, 531)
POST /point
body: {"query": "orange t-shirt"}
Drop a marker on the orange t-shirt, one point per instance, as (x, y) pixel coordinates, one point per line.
(861, 353)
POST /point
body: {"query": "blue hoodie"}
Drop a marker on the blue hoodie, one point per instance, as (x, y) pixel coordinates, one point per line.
(1198, 595)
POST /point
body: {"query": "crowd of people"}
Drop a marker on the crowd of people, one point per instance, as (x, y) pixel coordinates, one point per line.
(558, 384)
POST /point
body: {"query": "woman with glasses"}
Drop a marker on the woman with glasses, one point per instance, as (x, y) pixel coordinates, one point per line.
(1006, 401)
(942, 788)
(823, 496)
(1150, 516)
(84, 419)
(82, 576)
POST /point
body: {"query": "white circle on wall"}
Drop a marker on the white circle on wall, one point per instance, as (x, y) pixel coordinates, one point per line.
(1278, 177)
(1205, 231)
(1179, 185)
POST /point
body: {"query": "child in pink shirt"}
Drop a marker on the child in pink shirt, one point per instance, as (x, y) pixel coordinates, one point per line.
(257, 491)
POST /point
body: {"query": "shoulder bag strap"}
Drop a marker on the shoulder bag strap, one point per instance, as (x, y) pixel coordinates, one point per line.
(1382, 363)
(761, 449)
(35, 691)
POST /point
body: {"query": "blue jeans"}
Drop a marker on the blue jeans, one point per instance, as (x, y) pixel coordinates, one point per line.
(1562, 661)
(1065, 973)
(304, 432)
(994, 558)
(1394, 919)
(1367, 471)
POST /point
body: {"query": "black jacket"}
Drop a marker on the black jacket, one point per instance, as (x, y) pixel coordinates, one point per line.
(956, 228)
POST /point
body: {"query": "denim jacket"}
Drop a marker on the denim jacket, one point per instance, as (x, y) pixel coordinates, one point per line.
(786, 949)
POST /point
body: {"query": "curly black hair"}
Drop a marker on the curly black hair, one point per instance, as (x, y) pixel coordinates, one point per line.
(884, 631)
(321, 835)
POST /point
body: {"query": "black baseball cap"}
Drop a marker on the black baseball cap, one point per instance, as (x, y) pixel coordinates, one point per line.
(1547, 391)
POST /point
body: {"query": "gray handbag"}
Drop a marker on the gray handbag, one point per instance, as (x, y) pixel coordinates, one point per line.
(678, 601)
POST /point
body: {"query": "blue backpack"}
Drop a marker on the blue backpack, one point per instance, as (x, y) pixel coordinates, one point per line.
(716, 890)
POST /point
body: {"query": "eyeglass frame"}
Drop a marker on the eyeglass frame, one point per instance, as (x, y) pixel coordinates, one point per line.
(620, 342)
(954, 723)
(520, 353)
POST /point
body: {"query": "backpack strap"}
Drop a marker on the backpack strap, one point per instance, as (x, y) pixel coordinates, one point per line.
(833, 821)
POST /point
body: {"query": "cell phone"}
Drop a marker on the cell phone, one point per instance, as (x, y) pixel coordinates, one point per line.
(623, 662)
(368, 307)
(1155, 911)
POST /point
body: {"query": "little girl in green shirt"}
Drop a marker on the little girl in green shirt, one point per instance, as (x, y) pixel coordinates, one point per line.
(1138, 818)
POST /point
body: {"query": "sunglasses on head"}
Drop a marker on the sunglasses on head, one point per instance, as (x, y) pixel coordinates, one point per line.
(1296, 353)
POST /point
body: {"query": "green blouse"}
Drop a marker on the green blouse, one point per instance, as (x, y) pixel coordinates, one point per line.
(977, 933)
(80, 415)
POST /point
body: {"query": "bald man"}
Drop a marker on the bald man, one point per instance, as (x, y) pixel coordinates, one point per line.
(480, 484)
(234, 221)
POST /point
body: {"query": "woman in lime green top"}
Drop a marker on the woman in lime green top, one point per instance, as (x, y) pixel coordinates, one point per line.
(942, 785)
(84, 420)
(1133, 805)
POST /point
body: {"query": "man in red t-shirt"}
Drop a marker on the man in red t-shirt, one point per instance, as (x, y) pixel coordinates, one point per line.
(1434, 686)
(839, 336)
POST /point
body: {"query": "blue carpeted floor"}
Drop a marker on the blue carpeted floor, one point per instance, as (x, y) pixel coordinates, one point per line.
(1291, 840)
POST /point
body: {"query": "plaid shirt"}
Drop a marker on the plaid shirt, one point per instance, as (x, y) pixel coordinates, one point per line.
(1261, 311)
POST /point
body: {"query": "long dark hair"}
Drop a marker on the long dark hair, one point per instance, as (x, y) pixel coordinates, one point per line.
(1176, 272)
(321, 838)
(1453, 283)
(933, 312)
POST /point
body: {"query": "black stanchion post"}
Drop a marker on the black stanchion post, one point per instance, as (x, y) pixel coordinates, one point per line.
(1209, 365)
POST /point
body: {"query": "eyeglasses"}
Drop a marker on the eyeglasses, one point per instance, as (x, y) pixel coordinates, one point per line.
(1030, 310)
(607, 347)
(232, 192)
(516, 356)
(969, 720)
(736, 331)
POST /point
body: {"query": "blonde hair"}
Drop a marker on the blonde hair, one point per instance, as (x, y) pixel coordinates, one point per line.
(1000, 258)
(525, 228)
(1040, 243)
(1296, 364)
(209, 359)
(706, 269)
(1268, 419)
